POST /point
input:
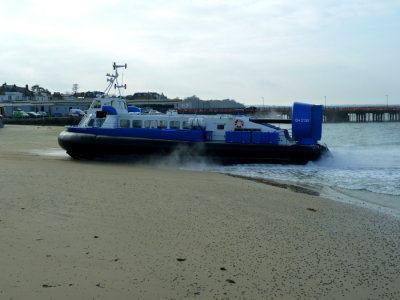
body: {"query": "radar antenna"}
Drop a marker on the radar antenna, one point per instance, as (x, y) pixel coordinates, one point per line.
(113, 79)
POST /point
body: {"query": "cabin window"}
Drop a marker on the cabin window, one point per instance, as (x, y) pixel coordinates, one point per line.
(137, 123)
(162, 124)
(221, 126)
(96, 104)
(186, 125)
(174, 124)
(150, 124)
(99, 122)
(124, 123)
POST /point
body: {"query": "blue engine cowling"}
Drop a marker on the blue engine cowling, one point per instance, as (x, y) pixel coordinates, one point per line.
(307, 123)
(134, 109)
(109, 109)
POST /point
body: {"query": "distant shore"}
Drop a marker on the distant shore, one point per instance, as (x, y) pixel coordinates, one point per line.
(43, 121)
(82, 230)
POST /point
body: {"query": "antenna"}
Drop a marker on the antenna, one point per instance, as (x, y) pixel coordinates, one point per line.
(114, 78)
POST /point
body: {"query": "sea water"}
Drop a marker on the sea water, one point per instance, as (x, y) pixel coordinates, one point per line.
(365, 157)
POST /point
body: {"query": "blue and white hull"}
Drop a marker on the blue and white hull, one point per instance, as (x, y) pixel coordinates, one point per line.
(98, 143)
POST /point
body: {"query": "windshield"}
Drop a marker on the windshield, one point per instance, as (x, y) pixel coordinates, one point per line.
(96, 104)
(85, 120)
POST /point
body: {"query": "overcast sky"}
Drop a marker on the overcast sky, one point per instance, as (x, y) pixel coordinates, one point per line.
(248, 50)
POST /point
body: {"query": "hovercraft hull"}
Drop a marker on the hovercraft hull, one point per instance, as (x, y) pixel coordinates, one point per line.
(100, 147)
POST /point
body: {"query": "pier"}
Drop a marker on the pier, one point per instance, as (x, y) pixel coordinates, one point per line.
(339, 114)
(335, 114)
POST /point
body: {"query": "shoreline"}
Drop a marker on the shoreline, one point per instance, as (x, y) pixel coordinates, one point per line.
(387, 204)
(77, 229)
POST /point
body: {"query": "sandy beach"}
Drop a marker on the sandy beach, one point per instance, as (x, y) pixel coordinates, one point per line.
(93, 230)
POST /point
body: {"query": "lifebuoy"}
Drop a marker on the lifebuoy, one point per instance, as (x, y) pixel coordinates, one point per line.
(239, 123)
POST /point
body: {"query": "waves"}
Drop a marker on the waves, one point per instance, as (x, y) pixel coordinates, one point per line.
(373, 169)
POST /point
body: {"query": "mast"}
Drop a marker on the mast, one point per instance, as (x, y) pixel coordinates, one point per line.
(113, 79)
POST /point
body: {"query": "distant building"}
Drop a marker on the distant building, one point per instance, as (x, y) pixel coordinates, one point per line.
(12, 96)
(15, 93)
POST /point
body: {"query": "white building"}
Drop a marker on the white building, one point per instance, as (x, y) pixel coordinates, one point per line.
(12, 96)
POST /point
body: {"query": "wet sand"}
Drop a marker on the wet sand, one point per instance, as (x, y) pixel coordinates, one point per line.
(82, 230)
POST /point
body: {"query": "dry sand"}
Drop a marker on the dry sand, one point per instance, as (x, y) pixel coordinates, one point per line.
(86, 230)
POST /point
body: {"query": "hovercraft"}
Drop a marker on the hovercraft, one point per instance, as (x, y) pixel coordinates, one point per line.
(111, 129)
